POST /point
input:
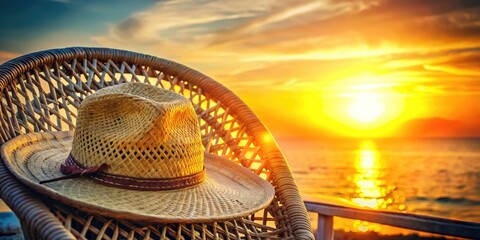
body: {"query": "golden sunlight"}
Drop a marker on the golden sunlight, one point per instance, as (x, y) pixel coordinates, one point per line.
(366, 107)
(368, 190)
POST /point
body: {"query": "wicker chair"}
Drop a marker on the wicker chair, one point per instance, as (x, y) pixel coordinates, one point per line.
(42, 91)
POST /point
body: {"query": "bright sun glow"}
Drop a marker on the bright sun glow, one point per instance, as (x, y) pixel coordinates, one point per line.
(366, 107)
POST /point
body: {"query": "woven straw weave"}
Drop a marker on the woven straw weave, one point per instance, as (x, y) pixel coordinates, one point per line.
(148, 133)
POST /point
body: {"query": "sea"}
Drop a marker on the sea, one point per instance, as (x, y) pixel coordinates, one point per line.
(437, 177)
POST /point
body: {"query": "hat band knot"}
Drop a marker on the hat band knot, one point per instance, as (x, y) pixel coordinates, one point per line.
(72, 169)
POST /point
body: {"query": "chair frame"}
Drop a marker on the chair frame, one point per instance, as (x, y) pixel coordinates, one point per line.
(41, 92)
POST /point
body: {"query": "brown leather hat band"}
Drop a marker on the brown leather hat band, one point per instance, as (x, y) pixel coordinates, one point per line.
(71, 169)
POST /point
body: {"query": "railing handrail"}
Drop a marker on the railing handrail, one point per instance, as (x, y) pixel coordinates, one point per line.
(328, 209)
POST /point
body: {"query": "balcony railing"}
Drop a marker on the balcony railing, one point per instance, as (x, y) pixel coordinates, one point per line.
(327, 210)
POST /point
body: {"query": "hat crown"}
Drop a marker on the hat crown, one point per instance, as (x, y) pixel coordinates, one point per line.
(139, 131)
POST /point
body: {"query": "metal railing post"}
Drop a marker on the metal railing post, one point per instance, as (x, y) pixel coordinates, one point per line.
(324, 227)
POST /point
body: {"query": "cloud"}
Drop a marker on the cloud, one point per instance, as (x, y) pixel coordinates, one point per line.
(286, 27)
(453, 70)
(323, 45)
(283, 13)
(182, 30)
(390, 26)
(167, 21)
(164, 30)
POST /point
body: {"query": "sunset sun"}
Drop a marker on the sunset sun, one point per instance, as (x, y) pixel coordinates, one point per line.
(366, 107)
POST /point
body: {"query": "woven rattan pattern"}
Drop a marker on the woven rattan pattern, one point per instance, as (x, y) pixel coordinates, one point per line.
(42, 92)
(148, 133)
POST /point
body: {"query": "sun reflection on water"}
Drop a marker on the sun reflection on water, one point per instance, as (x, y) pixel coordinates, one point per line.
(370, 186)
(368, 189)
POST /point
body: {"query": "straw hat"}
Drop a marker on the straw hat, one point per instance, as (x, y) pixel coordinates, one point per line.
(136, 154)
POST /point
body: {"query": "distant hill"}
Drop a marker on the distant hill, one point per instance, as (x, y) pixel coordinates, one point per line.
(438, 127)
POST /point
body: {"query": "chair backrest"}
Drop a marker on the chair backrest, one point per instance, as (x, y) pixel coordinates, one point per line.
(42, 91)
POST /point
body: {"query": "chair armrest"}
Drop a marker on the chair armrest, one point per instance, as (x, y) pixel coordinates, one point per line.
(33, 214)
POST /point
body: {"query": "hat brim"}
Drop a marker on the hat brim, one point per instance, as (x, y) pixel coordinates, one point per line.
(228, 192)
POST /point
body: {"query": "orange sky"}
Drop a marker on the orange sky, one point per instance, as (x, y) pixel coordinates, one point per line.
(301, 65)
